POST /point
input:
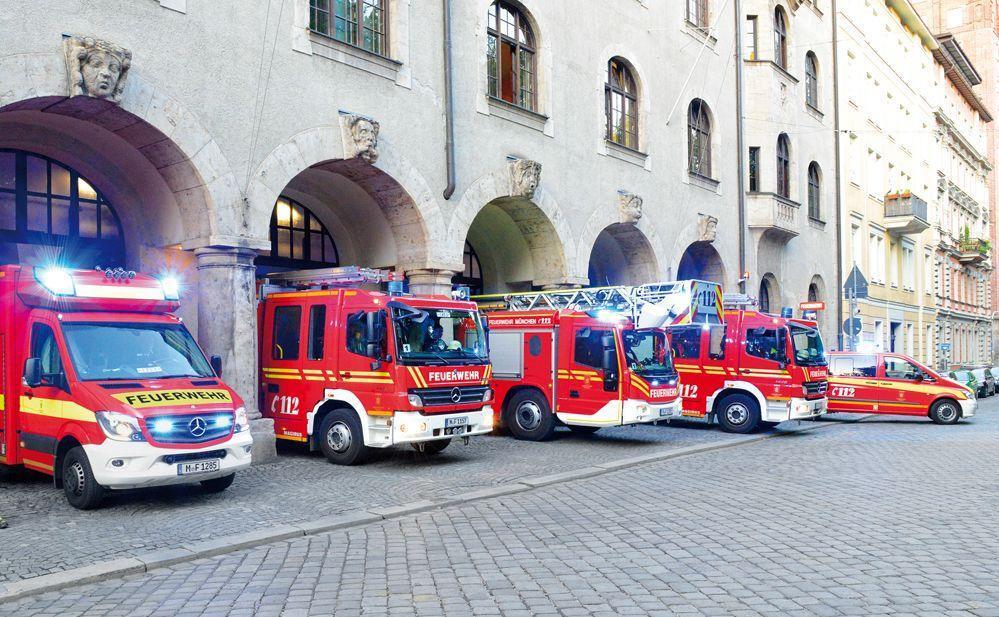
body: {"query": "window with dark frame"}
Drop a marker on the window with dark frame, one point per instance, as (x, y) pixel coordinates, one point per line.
(298, 238)
(317, 331)
(46, 349)
(780, 38)
(783, 166)
(765, 343)
(699, 139)
(471, 276)
(811, 81)
(621, 92)
(686, 342)
(752, 40)
(814, 192)
(697, 13)
(510, 56)
(361, 23)
(754, 168)
(588, 348)
(764, 296)
(287, 332)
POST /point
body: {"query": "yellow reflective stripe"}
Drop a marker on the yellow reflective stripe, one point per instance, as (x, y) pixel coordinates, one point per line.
(368, 373)
(3, 403)
(380, 412)
(417, 376)
(309, 371)
(317, 378)
(366, 380)
(291, 437)
(31, 463)
(281, 370)
(292, 377)
(54, 408)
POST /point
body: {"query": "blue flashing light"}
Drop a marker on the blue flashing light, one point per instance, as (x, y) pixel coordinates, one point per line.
(162, 425)
(171, 287)
(57, 280)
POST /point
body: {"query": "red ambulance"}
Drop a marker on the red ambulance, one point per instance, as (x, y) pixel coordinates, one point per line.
(104, 388)
(345, 369)
(556, 364)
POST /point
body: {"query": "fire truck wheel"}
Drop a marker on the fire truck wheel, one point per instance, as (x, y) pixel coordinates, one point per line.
(217, 485)
(341, 439)
(738, 413)
(530, 417)
(82, 490)
(583, 430)
(945, 412)
(432, 447)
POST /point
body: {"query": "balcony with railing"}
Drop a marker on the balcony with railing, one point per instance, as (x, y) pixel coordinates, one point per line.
(973, 250)
(906, 214)
(772, 213)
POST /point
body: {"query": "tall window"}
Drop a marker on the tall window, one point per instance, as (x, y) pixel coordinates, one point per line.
(754, 168)
(764, 296)
(298, 238)
(510, 56)
(43, 202)
(780, 38)
(472, 274)
(752, 40)
(814, 191)
(812, 81)
(783, 166)
(621, 93)
(697, 13)
(699, 139)
(362, 23)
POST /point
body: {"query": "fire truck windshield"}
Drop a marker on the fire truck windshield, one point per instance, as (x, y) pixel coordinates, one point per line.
(808, 347)
(647, 352)
(109, 351)
(439, 336)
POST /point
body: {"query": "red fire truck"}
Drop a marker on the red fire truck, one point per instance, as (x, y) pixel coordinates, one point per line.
(345, 369)
(739, 366)
(572, 357)
(103, 388)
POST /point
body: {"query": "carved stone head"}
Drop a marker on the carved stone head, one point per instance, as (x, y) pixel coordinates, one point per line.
(96, 68)
(364, 135)
(629, 206)
(525, 175)
(707, 228)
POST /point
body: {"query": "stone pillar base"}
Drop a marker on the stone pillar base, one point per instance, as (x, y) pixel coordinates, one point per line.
(264, 443)
(430, 282)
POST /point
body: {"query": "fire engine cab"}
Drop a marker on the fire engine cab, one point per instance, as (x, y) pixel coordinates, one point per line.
(575, 357)
(345, 369)
(739, 366)
(103, 388)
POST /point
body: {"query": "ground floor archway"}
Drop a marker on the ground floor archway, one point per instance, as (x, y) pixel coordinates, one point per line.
(622, 255)
(701, 261)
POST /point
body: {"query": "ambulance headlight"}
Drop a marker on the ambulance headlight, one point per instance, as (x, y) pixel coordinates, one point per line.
(487, 395)
(119, 427)
(57, 280)
(415, 400)
(242, 421)
(171, 288)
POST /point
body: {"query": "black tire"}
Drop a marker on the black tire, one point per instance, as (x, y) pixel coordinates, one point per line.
(529, 417)
(945, 411)
(738, 413)
(583, 430)
(78, 482)
(432, 447)
(217, 485)
(341, 439)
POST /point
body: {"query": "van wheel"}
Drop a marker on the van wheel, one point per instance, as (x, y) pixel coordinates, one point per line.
(738, 413)
(432, 447)
(945, 412)
(217, 485)
(583, 430)
(78, 482)
(341, 439)
(529, 416)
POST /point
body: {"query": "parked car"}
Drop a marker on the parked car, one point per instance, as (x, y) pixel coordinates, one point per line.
(966, 378)
(986, 382)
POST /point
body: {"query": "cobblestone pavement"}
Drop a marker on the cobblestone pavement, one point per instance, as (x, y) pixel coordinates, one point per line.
(889, 516)
(46, 535)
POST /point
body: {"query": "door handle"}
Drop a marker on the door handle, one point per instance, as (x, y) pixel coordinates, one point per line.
(573, 393)
(272, 387)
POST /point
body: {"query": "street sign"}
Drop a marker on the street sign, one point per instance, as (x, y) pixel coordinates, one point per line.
(944, 346)
(812, 306)
(853, 326)
(856, 285)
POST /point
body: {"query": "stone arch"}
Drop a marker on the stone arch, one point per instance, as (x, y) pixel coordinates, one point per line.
(401, 193)
(171, 140)
(701, 261)
(769, 294)
(635, 247)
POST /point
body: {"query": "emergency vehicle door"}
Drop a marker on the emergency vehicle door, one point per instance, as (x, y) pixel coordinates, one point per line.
(365, 366)
(45, 394)
(901, 387)
(766, 358)
(582, 389)
(854, 385)
(281, 365)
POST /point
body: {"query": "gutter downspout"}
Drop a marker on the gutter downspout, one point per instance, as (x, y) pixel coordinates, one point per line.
(448, 101)
(740, 145)
(839, 192)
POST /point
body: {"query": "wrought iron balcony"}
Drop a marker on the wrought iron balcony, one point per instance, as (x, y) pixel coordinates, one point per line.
(905, 214)
(771, 213)
(973, 251)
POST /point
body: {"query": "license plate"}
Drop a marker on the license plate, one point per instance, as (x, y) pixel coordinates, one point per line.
(665, 411)
(206, 466)
(462, 421)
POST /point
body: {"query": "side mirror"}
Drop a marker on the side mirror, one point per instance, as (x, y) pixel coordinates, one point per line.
(33, 372)
(216, 362)
(608, 361)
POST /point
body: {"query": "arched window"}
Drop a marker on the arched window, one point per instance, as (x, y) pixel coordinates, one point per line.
(814, 191)
(699, 139)
(510, 56)
(46, 203)
(472, 274)
(362, 23)
(783, 166)
(780, 38)
(697, 13)
(298, 238)
(764, 296)
(813, 292)
(621, 93)
(812, 80)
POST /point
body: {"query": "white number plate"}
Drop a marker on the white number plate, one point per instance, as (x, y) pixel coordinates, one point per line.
(665, 412)
(462, 421)
(205, 466)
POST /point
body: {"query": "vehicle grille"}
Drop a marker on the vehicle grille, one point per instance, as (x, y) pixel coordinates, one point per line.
(816, 387)
(445, 396)
(190, 428)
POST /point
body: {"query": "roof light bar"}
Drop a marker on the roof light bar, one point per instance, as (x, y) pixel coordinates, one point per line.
(58, 281)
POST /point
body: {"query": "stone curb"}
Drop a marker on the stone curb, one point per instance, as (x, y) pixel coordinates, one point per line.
(161, 558)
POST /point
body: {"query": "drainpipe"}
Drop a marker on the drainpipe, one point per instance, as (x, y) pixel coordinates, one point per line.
(740, 145)
(839, 192)
(448, 101)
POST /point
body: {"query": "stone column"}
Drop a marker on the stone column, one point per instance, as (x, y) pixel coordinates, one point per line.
(430, 282)
(227, 327)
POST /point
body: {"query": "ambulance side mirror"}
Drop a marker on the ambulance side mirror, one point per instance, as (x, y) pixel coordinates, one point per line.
(33, 372)
(216, 362)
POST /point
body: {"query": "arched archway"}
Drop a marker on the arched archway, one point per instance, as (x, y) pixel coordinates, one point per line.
(701, 261)
(622, 255)
(769, 298)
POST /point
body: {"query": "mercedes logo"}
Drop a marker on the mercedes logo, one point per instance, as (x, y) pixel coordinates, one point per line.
(455, 395)
(197, 426)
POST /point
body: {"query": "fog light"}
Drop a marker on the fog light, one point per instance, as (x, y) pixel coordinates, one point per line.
(403, 427)
(246, 449)
(118, 462)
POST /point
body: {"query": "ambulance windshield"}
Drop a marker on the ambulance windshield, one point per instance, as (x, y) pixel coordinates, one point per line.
(808, 347)
(439, 336)
(110, 351)
(647, 352)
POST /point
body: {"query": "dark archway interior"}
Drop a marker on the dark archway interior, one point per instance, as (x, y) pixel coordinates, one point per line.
(621, 255)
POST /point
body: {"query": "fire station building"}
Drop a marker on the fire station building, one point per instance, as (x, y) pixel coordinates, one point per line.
(507, 145)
